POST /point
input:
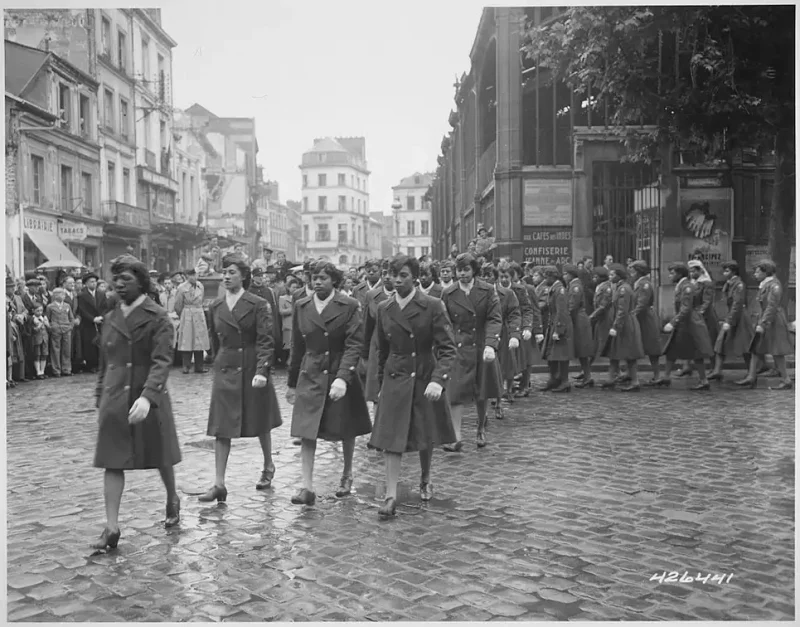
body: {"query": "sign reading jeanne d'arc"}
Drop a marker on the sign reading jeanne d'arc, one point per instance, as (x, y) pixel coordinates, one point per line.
(545, 246)
(547, 203)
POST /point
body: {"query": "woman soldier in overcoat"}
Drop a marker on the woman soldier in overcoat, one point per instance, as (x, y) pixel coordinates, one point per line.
(583, 344)
(703, 302)
(324, 386)
(243, 401)
(474, 310)
(369, 350)
(508, 349)
(772, 330)
(602, 316)
(416, 351)
(645, 312)
(531, 327)
(136, 427)
(736, 330)
(624, 338)
(558, 338)
(689, 337)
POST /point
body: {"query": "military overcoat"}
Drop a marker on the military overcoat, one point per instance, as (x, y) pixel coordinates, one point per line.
(704, 304)
(602, 318)
(369, 349)
(477, 322)
(583, 344)
(775, 340)
(326, 346)
(627, 343)
(527, 352)
(558, 321)
(509, 358)
(689, 338)
(736, 341)
(135, 360)
(645, 312)
(416, 346)
(243, 345)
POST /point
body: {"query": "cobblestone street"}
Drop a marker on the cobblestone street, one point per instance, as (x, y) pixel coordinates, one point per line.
(577, 501)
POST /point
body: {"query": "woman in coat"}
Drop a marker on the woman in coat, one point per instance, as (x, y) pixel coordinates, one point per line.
(772, 330)
(416, 351)
(243, 401)
(324, 386)
(625, 337)
(531, 326)
(602, 316)
(136, 428)
(583, 345)
(192, 328)
(368, 367)
(703, 303)
(508, 357)
(286, 309)
(736, 330)
(474, 310)
(645, 312)
(558, 338)
(689, 337)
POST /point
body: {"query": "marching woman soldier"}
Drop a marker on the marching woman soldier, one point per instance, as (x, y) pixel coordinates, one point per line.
(428, 279)
(372, 279)
(136, 425)
(416, 351)
(558, 339)
(508, 360)
(772, 330)
(645, 312)
(369, 349)
(689, 337)
(602, 317)
(243, 400)
(323, 384)
(531, 326)
(192, 329)
(474, 310)
(624, 337)
(583, 343)
(736, 330)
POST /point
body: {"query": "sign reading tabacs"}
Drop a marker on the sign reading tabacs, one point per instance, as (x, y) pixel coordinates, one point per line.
(547, 245)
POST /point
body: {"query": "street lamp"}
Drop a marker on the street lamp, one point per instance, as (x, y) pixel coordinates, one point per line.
(396, 207)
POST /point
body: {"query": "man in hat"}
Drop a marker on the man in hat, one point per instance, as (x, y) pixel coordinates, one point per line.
(92, 306)
(282, 266)
(192, 329)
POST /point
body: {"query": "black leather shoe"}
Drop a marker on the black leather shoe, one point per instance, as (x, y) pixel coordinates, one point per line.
(662, 383)
(630, 388)
(785, 385)
(388, 509)
(683, 372)
(173, 513)
(425, 490)
(185, 371)
(564, 387)
(585, 383)
(214, 494)
(606, 385)
(304, 497)
(453, 448)
(297, 441)
(108, 540)
(481, 441)
(715, 376)
(265, 482)
(345, 487)
(203, 371)
(701, 387)
(552, 383)
(651, 383)
(579, 377)
(747, 382)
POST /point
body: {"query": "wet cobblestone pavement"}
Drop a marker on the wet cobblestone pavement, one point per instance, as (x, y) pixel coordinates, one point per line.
(576, 503)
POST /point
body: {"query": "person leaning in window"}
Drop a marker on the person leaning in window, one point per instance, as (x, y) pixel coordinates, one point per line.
(689, 337)
(474, 310)
(736, 329)
(772, 330)
(416, 350)
(324, 387)
(136, 427)
(243, 401)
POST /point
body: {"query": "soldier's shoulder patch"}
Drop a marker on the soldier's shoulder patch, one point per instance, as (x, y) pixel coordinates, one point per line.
(561, 290)
(688, 290)
(576, 288)
(646, 285)
(608, 290)
(775, 288)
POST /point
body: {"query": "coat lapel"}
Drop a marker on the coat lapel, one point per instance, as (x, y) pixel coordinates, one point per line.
(398, 315)
(333, 311)
(415, 307)
(226, 315)
(140, 316)
(118, 322)
(459, 297)
(313, 314)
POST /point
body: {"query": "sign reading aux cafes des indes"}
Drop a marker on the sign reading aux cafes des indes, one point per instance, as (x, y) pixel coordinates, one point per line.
(547, 245)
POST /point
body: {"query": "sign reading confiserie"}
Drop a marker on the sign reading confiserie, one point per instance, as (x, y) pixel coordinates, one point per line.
(547, 246)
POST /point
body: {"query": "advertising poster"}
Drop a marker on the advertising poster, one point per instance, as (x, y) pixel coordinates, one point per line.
(706, 221)
(547, 203)
(547, 245)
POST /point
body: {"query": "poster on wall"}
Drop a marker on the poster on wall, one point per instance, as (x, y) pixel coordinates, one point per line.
(547, 245)
(706, 222)
(547, 203)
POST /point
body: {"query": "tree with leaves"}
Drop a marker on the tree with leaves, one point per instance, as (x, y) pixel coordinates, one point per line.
(710, 80)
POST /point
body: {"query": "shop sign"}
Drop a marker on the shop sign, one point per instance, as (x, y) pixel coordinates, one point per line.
(547, 246)
(34, 223)
(547, 203)
(72, 231)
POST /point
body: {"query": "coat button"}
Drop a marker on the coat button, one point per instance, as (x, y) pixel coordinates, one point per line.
(326, 334)
(411, 336)
(238, 370)
(129, 364)
(413, 374)
(324, 372)
(240, 350)
(327, 352)
(459, 345)
(127, 387)
(413, 354)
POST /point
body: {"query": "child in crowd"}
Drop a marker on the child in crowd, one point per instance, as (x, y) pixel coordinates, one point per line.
(41, 337)
(62, 321)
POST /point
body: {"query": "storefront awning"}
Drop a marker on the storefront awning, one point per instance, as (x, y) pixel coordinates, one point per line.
(51, 246)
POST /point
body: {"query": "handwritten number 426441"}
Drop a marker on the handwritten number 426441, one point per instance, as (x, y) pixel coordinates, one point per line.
(676, 577)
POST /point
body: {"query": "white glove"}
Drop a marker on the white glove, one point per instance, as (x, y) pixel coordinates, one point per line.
(433, 392)
(556, 337)
(612, 332)
(726, 326)
(513, 343)
(668, 327)
(98, 319)
(539, 338)
(488, 354)
(526, 335)
(338, 389)
(259, 381)
(792, 326)
(139, 411)
(759, 329)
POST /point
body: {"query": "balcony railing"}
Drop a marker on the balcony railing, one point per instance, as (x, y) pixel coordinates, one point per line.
(150, 159)
(486, 166)
(123, 214)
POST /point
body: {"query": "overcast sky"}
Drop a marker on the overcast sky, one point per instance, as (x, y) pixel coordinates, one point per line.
(380, 70)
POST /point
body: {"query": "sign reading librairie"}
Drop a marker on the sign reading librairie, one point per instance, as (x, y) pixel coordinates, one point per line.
(547, 203)
(547, 245)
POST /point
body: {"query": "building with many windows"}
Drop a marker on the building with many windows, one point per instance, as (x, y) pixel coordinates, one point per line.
(336, 200)
(412, 215)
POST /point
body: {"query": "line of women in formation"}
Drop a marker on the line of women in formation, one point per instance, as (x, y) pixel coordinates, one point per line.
(420, 350)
